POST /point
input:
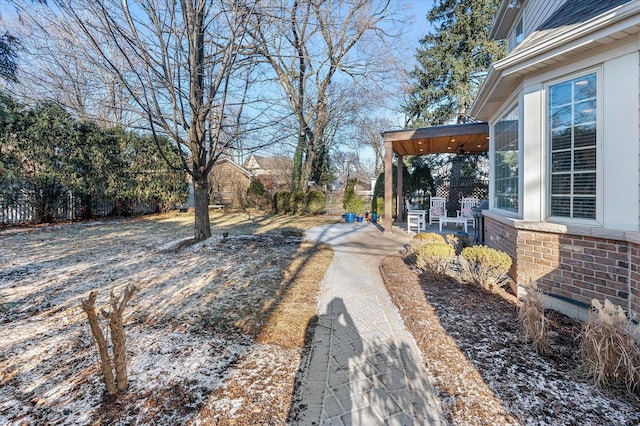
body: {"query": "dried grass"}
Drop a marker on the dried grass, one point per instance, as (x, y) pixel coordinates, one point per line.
(288, 323)
(531, 316)
(611, 356)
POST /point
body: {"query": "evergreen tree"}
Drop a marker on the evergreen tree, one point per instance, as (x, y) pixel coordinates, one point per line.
(8, 57)
(452, 62)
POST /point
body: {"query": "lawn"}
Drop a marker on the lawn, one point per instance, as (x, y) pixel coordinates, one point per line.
(204, 318)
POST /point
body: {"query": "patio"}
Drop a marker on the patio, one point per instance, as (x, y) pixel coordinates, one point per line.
(473, 138)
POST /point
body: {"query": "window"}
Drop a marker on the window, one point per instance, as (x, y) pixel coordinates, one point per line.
(572, 127)
(506, 161)
(517, 34)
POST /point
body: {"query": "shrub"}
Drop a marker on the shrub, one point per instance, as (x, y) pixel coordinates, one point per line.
(281, 201)
(377, 206)
(484, 266)
(531, 316)
(349, 195)
(611, 357)
(356, 205)
(257, 195)
(316, 202)
(434, 257)
(429, 237)
(296, 201)
(423, 238)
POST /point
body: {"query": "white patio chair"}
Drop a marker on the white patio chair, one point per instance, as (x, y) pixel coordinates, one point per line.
(415, 218)
(437, 209)
(466, 209)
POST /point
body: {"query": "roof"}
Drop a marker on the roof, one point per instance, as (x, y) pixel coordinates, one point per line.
(471, 137)
(577, 11)
(505, 17)
(576, 27)
(271, 163)
(233, 163)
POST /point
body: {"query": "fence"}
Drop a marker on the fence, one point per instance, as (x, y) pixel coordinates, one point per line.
(453, 191)
(70, 208)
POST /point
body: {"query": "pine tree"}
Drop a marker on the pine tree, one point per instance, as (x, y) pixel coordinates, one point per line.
(452, 62)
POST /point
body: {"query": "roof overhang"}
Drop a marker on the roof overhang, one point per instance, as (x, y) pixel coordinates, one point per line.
(505, 18)
(472, 137)
(546, 49)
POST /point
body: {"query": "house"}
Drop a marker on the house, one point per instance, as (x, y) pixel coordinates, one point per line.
(274, 172)
(228, 183)
(563, 109)
(560, 118)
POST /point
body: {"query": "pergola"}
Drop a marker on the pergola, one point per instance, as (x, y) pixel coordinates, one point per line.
(472, 138)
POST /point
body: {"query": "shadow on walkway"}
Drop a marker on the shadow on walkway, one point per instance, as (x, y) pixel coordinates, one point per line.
(345, 379)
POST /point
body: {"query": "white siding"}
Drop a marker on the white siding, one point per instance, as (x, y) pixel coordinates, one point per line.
(619, 136)
(537, 11)
(620, 142)
(532, 155)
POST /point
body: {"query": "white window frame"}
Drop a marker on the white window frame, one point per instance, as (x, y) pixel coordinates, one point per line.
(597, 221)
(513, 107)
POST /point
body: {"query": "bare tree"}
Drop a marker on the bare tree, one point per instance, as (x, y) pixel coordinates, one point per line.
(311, 45)
(119, 383)
(177, 62)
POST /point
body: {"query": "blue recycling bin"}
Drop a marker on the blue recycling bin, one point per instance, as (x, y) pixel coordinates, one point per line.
(350, 217)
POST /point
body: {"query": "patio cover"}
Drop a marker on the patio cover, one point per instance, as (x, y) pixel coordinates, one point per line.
(472, 138)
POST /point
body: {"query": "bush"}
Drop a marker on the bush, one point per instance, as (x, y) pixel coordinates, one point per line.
(281, 201)
(429, 237)
(356, 205)
(257, 195)
(423, 238)
(316, 202)
(377, 206)
(434, 257)
(484, 266)
(611, 357)
(297, 201)
(459, 243)
(531, 316)
(349, 195)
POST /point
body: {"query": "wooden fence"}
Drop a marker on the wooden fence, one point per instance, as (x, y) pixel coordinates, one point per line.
(70, 208)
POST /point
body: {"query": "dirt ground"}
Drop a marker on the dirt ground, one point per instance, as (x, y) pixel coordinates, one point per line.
(216, 331)
(471, 343)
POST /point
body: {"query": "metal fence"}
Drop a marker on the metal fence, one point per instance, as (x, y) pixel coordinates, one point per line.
(69, 207)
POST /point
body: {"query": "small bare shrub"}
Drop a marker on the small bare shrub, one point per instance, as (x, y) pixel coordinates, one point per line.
(484, 266)
(611, 357)
(531, 316)
(459, 242)
(120, 382)
(434, 257)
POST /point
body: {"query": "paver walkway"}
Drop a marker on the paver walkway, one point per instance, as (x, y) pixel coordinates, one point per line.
(364, 367)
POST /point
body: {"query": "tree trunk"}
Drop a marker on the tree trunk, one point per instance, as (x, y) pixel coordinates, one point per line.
(118, 338)
(297, 162)
(107, 373)
(202, 226)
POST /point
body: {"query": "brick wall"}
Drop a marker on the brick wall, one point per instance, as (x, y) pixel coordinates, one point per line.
(577, 267)
(634, 257)
(502, 237)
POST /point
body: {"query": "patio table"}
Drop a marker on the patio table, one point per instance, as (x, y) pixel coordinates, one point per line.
(458, 220)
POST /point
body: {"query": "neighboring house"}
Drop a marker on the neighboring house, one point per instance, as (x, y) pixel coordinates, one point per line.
(228, 183)
(564, 116)
(274, 172)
